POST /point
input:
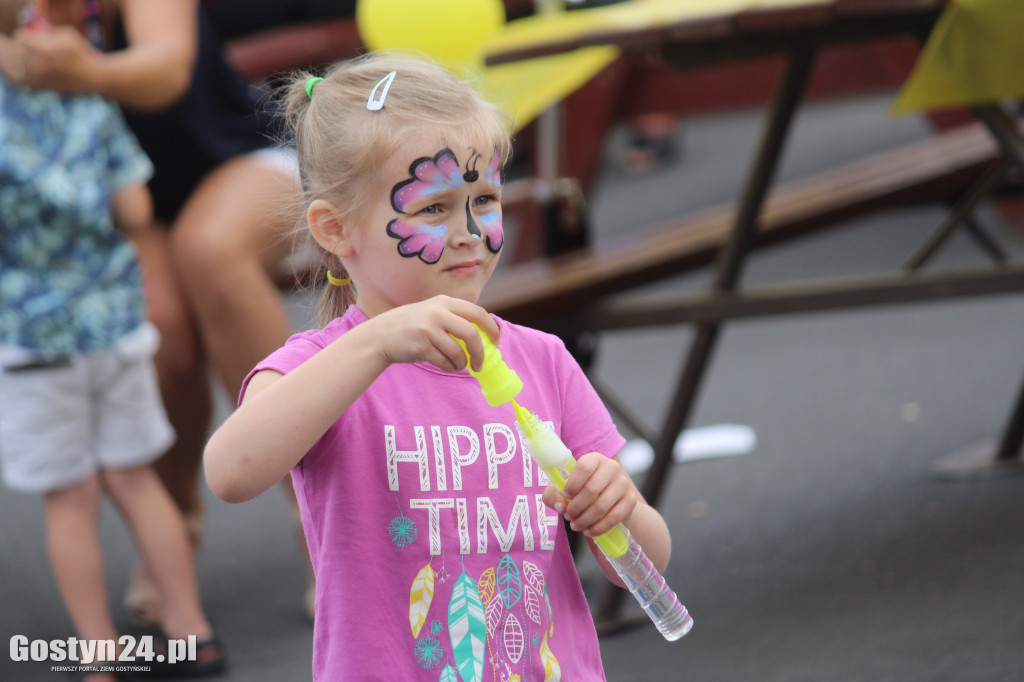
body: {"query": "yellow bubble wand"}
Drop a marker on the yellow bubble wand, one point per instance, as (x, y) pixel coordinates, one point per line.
(501, 385)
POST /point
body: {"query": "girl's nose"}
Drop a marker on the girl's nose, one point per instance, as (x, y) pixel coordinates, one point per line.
(472, 231)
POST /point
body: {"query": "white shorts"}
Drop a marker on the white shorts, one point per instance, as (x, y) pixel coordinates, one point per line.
(63, 420)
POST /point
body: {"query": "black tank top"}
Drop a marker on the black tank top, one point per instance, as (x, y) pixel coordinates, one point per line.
(220, 117)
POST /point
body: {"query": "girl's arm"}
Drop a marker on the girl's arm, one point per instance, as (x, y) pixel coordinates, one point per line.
(150, 74)
(282, 416)
(600, 494)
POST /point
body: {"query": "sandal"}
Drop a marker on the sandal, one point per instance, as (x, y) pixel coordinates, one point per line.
(210, 658)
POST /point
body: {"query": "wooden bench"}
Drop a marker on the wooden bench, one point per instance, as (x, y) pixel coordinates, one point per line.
(539, 291)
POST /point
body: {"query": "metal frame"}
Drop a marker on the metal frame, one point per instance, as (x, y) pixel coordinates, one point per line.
(724, 301)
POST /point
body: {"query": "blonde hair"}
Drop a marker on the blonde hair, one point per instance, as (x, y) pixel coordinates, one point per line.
(342, 145)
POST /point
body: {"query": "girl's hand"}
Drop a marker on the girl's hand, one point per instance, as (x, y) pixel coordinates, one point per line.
(422, 332)
(598, 495)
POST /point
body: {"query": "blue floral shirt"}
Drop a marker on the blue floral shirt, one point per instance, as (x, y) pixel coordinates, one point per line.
(69, 281)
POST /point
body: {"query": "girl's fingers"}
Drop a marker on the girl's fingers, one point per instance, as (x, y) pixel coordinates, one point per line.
(603, 515)
(460, 329)
(449, 349)
(600, 497)
(554, 499)
(468, 334)
(427, 332)
(488, 325)
(620, 512)
(591, 475)
(592, 513)
(472, 320)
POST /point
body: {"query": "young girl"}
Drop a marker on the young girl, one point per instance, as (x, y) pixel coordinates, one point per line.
(438, 547)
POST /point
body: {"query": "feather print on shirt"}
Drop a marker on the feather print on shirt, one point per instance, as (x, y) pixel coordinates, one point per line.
(467, 629)
(509, 583)
(531, 604)
(486, 585)
(495, 622)
(513, 638)
(420, 596)
(552, 669)
(533, 579)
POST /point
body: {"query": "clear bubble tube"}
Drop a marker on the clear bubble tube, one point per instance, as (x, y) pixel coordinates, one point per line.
(501, 385)
(624, 553)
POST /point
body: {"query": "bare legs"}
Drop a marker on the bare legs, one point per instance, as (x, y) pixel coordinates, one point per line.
(181, 369)
(184, 385)
(72, 539)
(235, 228)
(211, 295)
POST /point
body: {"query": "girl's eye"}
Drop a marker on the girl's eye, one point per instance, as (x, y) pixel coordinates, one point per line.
(484, 199)
(433, 209)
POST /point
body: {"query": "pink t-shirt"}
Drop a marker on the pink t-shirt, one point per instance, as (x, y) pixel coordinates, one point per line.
(435, 557)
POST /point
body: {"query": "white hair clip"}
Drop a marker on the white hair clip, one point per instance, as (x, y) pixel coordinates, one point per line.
(378, 103)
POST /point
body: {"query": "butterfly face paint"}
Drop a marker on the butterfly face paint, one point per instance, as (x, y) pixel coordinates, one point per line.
(429, 177)
(492, 220)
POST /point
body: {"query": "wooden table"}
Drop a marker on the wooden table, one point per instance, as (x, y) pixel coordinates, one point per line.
(798, 30)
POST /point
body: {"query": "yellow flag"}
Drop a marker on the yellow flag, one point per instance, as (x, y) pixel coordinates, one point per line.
(973, 56)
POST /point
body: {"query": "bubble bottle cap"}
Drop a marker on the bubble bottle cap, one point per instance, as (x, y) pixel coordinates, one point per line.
(498, 382)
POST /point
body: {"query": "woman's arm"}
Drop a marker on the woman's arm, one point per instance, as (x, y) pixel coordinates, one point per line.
(154, 71)
(150, 74)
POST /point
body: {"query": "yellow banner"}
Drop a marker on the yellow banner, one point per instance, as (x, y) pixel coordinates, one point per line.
(975, 55)
(526, 88)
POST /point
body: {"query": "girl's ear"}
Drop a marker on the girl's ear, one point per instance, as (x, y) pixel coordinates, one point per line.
(327, 228)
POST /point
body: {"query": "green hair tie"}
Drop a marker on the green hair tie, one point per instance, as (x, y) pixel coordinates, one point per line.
(309, 85)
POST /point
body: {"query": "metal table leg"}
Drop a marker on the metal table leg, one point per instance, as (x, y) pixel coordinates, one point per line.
(961, 214)
(989, 458)
(727, 274)
(1004, 457)
(1004, 130)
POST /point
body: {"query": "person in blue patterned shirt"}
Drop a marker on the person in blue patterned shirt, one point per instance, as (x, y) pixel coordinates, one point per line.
(80, 408)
